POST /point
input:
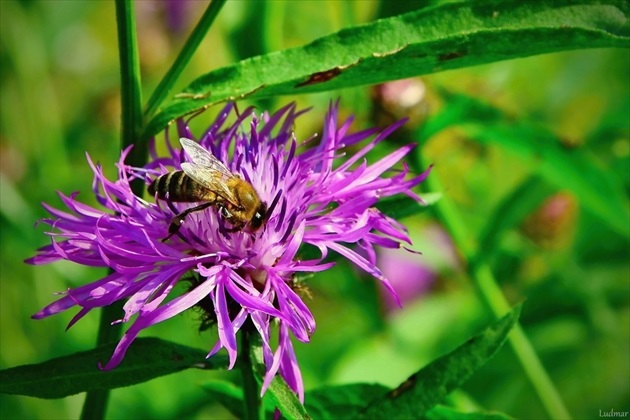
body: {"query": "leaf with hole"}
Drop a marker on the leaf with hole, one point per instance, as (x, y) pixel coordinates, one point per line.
(430, 385)
(429, 40)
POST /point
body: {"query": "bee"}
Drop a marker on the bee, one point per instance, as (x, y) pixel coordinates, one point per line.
(205, 179)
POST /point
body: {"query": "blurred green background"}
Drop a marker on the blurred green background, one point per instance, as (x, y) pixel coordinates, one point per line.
(60, 99)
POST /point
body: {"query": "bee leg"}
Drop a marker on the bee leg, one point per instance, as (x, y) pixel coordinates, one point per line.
(225, 213)
(177, 221)
(173, 228)
(235, 228)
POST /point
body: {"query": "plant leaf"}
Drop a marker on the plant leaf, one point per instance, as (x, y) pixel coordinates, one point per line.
(146, 359)
(597, 189)
(443, 37)
(400, 207)
(510, 212)
(343, 401)
(571, 169)
(429, 386)
(227, 394)
(279, 392)
(443, 412)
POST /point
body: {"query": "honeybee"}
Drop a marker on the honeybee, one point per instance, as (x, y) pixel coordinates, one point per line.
(207, 180)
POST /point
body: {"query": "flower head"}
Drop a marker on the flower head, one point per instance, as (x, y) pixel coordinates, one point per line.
(242, 277)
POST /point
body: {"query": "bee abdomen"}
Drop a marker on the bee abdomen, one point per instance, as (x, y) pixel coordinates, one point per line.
(175, 186)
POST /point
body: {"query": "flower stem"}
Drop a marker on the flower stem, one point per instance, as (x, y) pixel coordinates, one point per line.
(197, 35)
(250, 386)
(493, 298)
(95, 404)
(131, 93)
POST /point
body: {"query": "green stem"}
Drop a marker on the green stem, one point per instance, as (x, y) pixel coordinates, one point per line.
(131, 93)
(250, 386)
(95, 404)
(197, 35)
(494, 298)
(495, 301)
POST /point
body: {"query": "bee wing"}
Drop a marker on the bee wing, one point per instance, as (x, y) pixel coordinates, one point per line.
(211, 179)
(202, 157)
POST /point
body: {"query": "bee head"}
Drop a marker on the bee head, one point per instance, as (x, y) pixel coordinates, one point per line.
(259, 217)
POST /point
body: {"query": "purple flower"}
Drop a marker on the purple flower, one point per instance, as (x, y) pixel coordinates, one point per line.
(317, 196)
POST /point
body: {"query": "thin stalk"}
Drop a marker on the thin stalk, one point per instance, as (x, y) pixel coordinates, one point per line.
(186, 53)
(131, 93)
(493, 298)
(95, 404)
(250, 386)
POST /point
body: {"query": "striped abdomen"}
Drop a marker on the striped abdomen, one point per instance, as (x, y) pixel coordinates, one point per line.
(177, 186)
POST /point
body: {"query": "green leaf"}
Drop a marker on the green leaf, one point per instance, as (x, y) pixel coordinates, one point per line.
(429, 386)
(230, 396)
(401, 207)
(447, 36)
(285, 399)
(458, 109)
(597, 189)
(443, 412)
(146, 359)
(227, 394)
(571, 169)
(510, 212)
(344, 401)
(341, 402)
(279, 392)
